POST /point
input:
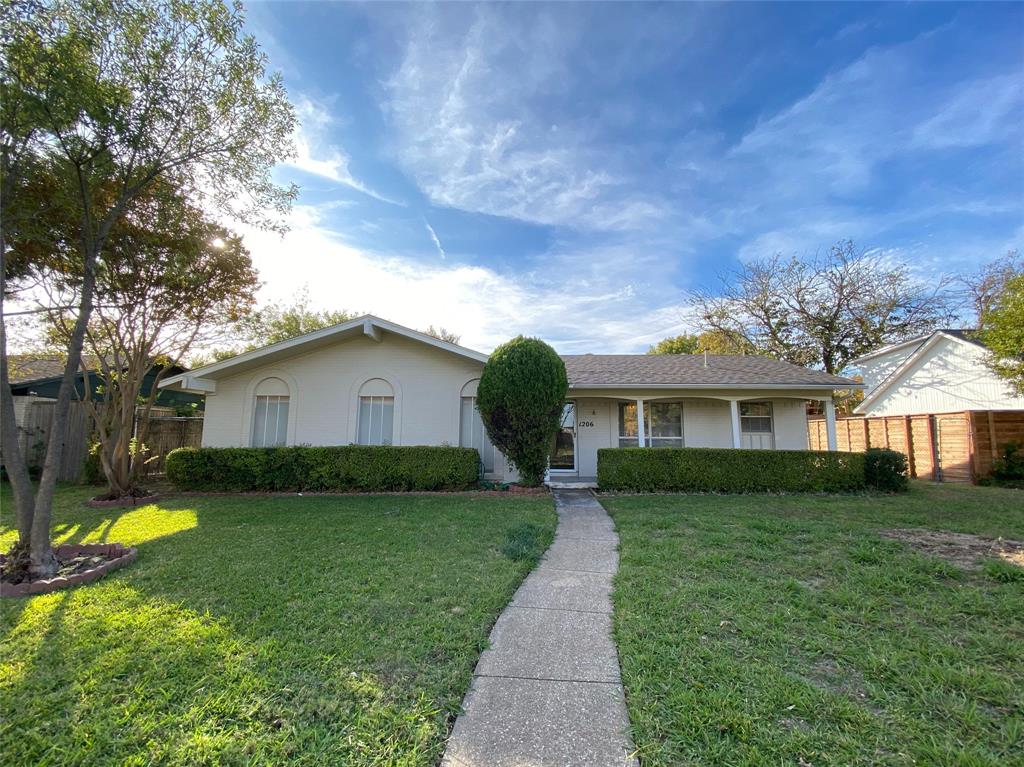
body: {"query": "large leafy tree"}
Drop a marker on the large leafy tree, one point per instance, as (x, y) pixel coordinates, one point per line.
(520, 397)
(168, 279)
(710, 341)
(111, 100)
(825, 310)
(1002, 329)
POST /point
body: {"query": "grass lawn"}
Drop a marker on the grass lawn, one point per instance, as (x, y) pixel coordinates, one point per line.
(263, 631)
(765, 630)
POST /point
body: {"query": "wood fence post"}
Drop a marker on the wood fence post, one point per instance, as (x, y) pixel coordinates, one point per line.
(909, 441)
(867, 435)
(971, 463)
(931, 448)
(992, 436)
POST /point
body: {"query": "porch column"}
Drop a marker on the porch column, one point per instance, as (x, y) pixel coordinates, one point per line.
(641, 436)
(734, 412)
(830, 424)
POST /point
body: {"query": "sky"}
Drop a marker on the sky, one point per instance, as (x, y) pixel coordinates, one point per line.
(570, 171)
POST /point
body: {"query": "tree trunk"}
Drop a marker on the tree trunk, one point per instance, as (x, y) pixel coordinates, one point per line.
(10, 445)
(43, 562)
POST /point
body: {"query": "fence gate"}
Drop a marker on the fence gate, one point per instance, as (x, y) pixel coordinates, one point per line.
(167, 433)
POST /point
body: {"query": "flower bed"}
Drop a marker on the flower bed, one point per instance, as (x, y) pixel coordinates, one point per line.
(79, 563)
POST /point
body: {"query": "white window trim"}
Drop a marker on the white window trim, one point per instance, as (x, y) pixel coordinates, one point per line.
(648, 436)
(373, 398)
(494, 461)
(276, 399)
(249, 411)
(352, 428)
(770, 417)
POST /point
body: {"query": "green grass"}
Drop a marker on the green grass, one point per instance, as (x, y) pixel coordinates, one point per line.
(263, 631)
(784, 630)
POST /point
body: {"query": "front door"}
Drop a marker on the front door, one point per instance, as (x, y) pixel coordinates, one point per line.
(563, 454)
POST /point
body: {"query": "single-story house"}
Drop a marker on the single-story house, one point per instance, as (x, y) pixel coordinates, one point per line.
(370, 381)
(39, 375)
(942, 372)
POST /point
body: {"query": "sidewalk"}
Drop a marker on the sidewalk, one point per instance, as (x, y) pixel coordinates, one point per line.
(548, 691)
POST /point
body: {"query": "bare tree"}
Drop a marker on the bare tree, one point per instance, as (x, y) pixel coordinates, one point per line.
(984, 287)
(825, 310)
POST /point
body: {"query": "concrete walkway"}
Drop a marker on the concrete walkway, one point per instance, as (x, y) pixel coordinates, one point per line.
(548, 693)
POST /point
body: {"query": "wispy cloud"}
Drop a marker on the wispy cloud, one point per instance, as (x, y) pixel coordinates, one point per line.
(315, 153)
(435, 239)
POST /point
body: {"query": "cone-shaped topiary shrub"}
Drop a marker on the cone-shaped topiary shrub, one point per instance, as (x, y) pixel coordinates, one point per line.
(521, 395)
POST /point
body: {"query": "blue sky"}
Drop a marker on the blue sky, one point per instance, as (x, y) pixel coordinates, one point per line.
(570, 170)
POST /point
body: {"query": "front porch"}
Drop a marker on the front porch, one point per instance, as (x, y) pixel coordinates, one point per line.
(769, 420)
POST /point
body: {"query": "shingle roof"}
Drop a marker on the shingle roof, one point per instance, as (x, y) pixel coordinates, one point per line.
(24, 368)
(689, 370)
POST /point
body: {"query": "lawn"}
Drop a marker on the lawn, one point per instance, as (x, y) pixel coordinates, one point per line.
(263, 630)
(786, 630)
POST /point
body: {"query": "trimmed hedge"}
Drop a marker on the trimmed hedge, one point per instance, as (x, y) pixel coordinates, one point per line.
(359, 468)
(728, 470)
(886, 470)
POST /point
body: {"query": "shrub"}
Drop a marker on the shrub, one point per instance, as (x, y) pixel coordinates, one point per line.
(322, 469)
(521, 397)
(1010, 465)
(728, 470)
(92, 467)
(886, 470)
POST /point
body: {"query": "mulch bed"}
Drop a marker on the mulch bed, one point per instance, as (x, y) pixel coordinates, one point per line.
(112, 503)
(78, 564)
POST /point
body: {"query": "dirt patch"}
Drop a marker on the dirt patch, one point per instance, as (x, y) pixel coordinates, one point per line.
(961, 549)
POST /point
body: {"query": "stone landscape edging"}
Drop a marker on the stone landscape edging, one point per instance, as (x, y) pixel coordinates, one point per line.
(122, 556)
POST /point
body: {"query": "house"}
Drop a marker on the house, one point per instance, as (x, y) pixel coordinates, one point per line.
(370, 381)
(39, 375)
(942, 372)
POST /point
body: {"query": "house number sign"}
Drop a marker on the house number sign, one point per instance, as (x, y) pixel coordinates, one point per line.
(586, 424)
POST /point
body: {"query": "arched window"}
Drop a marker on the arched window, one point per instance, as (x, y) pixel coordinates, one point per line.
(376, 413)
(270, 413)
(471, 427)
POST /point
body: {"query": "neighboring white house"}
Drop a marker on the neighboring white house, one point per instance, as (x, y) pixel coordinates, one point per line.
(943, 372)
(370, 381)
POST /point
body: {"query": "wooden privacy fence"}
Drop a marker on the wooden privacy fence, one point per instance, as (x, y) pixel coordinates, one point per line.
(951, 447)
(35, 415)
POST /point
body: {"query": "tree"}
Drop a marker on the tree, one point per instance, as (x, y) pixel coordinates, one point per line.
(521, 396)
(443, 334)
(1002, 330)
(986, 286)
(825, 310)
(109, 99)
(684, 344)
(168, 278)
(710, 341)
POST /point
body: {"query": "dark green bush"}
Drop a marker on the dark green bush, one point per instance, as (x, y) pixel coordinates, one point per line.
(521, 396)
(886, 470)
(1010, 465)
(728, 470)
(322, 469)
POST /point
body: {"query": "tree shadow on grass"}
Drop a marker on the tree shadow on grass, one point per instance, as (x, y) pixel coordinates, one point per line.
(269, 630)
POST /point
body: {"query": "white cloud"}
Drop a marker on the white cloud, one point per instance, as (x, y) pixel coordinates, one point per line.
(595, 310)
(316, 154)
(435, 239)
(467, 107)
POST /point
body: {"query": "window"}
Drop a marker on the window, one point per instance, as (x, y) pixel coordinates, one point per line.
(756, 425)
(756, 417)
(270, 413)
(663, 424)
(376, 420)
(473, 434)
(270, 421)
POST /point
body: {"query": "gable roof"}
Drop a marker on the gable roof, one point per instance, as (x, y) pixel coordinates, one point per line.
(968, 335)
(924, 344)
(689, 370)
(366, 325)
(30, 368)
